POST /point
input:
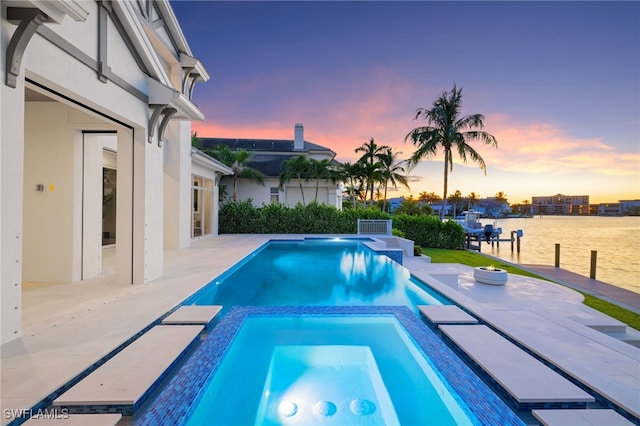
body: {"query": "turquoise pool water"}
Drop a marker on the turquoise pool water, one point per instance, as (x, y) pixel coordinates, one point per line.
(314, 272)
(329, 371)
(324, 365)
(321, 332)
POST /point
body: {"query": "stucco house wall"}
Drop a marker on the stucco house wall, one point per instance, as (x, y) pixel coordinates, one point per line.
(76, 67)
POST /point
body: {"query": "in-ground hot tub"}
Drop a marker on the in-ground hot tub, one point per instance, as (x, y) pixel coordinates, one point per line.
(325, 365)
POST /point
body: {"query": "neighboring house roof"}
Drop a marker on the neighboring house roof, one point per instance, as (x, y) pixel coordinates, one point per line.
(268, 154)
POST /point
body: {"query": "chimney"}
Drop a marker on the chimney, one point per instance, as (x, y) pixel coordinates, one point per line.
(298, 141)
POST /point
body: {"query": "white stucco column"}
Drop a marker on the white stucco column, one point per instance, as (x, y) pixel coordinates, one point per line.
(11, 187)
(92, 205)
(215, 229)
(124, 206)
(177, 185)
(148, 223)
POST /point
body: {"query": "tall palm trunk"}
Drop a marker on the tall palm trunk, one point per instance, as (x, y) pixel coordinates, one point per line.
(235, 187)
(301, 191)
(384, 203)
(446, 178)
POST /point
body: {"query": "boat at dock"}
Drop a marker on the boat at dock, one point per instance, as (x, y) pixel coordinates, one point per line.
(470, 222)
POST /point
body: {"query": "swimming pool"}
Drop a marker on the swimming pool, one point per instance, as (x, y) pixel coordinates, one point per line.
(317, 272)
(311, 309)
(362, 365)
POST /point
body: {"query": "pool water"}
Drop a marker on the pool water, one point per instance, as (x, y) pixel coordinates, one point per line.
(330, 272)
(330, 371)
(323, 365)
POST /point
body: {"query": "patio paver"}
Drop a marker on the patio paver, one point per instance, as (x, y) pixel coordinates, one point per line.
(597, 417)
(525, 378)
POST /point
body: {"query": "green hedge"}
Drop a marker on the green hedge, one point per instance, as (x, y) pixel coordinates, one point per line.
(241, 217)
(430, 231)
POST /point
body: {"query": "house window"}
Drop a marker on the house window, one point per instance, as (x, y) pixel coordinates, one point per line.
(201, 215)
(275, 195)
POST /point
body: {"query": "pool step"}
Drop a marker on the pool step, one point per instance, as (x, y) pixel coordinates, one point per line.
(192, 314)
(446, 314)
(595, 417)
(60, 419)
(630, 336)
(524, 378)
(122, 383)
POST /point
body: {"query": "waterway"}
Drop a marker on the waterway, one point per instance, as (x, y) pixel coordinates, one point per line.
(616, 240)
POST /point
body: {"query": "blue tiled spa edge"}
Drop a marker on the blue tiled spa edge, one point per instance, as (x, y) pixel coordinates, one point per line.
(176, 402)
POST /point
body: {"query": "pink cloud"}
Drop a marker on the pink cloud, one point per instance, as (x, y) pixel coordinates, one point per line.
(385, 109)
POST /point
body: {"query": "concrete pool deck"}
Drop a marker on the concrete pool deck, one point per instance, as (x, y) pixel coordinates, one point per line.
(69, 326)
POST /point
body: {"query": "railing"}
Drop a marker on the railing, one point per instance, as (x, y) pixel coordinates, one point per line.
(374, 227)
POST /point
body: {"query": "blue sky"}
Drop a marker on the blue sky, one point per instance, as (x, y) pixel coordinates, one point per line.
(558, 83)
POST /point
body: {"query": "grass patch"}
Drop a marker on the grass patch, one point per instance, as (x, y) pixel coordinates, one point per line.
(468, 258)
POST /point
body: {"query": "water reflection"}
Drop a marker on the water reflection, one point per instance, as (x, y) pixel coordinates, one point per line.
(344, 273)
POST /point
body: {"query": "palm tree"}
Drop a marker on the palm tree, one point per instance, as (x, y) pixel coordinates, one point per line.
(295, 167)
(370, 158)
(456, 200)
(320, 169)
(391, 171)
(429, 197)
(472, 199)
(236, 160)
(353, 176)
(412, 207)
(447, 129)
(195, 141)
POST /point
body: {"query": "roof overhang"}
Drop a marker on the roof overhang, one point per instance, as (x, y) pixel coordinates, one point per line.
(58, 9)
(195, 65)
(205, 160)
(160, 94)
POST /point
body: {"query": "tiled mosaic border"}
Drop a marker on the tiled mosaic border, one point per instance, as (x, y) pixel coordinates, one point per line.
(180, 396)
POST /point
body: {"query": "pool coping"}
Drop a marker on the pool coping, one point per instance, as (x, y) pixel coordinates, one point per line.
(181, 394)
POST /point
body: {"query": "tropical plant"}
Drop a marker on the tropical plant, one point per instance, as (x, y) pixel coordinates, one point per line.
(320, 169)
(237, 161)
(429, 197)
(501, 197)
(412, 207)
(353, 176)
(456, 200)
(295, 167)
(370, 158)
(391, 171)
(447, 129)
(195, 141)
(472, 199)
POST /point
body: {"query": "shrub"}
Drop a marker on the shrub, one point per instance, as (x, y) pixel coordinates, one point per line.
(241, 217)
(396, 232)
(430, 231)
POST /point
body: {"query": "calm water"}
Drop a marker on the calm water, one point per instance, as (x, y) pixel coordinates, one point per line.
(327, 371)
(331, 272)
(616, 239)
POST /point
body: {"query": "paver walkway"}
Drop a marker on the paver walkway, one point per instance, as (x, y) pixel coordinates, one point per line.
(549, 320)
(124, 380)
(525, 378)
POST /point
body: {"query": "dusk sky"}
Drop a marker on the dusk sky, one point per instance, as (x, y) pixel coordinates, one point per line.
(557, 82)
